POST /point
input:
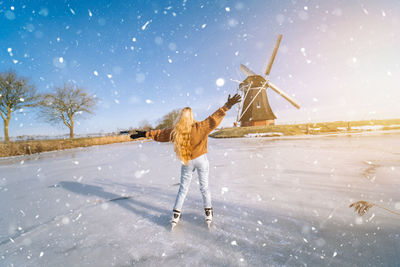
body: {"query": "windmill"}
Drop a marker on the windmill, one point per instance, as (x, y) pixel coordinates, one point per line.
(254, 109)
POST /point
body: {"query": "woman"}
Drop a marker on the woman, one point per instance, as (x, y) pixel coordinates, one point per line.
(190, 145)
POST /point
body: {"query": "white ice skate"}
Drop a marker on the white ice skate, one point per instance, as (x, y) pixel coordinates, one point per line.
(175, 219)
(209, 216)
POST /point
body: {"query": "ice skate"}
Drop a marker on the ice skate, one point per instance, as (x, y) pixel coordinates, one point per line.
(209, 216)
(175, 219)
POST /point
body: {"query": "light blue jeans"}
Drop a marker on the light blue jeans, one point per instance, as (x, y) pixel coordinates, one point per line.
(201, 164)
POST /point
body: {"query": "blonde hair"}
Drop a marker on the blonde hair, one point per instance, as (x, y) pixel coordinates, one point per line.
(180, 135)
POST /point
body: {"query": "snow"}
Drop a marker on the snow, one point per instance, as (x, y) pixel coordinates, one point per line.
(146, 24)
(252, 135)
(368, 127)
(68, 217)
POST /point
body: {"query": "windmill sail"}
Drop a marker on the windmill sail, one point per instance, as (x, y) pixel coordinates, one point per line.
(271, 61)
(246, 70)
(284, 95)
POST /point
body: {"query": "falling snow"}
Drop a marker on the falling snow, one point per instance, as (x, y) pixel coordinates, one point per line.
(281, 202)
(146, 24)
(220, 82)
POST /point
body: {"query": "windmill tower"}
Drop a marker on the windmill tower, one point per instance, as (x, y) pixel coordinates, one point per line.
(254, 109)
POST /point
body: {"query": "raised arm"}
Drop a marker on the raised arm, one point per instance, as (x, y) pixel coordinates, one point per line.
(215, 119)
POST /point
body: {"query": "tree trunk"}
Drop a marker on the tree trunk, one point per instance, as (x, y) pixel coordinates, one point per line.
(71, 130)
(6, 137)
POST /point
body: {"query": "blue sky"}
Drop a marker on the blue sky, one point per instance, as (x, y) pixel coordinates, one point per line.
(144, 58)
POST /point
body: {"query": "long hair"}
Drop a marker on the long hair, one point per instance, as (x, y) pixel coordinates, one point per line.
(180, 134)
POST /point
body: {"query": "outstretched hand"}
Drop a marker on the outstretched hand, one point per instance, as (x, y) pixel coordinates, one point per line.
(233, 100)
(138, 134)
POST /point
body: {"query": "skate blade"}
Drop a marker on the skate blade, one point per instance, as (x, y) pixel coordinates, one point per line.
(173, 225)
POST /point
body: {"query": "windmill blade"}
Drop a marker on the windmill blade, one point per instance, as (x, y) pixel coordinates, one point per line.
(246, 70)
(271, 61)
(284, 95)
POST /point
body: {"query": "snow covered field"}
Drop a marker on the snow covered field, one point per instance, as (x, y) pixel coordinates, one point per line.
(277, 203)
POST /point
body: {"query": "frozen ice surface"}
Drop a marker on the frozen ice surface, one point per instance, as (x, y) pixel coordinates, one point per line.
(294, 212)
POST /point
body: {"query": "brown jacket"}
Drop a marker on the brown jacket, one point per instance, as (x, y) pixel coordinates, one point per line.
(198, 135)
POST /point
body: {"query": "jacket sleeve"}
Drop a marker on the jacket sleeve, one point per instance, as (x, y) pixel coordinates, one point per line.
(163, 135)
(214, 120)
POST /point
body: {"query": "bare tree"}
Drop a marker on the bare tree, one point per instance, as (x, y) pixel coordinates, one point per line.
(168, 120)
(145, 125)
(64, 104)
(15, 93)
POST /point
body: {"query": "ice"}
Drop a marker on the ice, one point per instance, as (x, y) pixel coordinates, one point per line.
(140, 173)
(76, 221)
